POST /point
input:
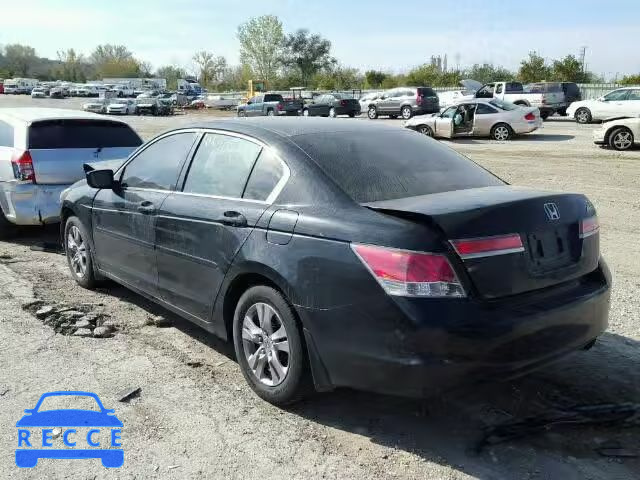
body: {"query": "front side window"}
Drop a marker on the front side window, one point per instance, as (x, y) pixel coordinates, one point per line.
(221, 166)
(616, 95)
(157, 167)
(449, 112)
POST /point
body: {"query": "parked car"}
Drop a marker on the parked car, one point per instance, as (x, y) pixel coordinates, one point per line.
(546, 98)
(404, 102)
(221, 101)
(122, 106)
(42, 151)
(451, 97)
(572, 94)
(269, 104)
(332, 105)
(289, 239)
(1, 88)
(620, 102)
(57, 92)
(39, 92)
(619, 134)
(87, 91)
(122, 90)
(97, 105)
(366, 100)
(479, 117)
(149, 94)
(11, 88)
(20, 86)
(153, 106)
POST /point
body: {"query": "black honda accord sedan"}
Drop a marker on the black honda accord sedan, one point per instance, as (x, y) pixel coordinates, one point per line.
(338, 253)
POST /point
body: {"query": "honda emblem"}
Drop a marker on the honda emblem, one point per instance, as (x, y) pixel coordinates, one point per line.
(551, 209)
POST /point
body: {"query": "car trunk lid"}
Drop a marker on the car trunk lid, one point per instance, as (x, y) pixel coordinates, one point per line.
(550, 249)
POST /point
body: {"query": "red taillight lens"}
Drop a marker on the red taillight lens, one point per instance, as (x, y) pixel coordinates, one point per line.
(23, 167)
(343, 103)
(419, 100)
(589, 226)
(530, 116)
(410, 274)
(488, 246)
(280, 106)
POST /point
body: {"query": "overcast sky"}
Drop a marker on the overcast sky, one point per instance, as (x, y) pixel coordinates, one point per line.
(387, 35)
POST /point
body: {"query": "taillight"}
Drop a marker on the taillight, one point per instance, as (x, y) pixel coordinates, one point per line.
(279, 106)
(589, 226)
(419, 99)
(410, 274)
(488, 246)
(530, 116)
(23, 167)
(343, 103)
(544, 100)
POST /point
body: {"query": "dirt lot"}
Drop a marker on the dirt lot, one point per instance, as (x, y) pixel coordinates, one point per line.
(196, 418)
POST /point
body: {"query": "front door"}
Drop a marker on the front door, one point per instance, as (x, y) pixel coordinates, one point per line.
(202, 228)
(124, 218)
(612, 105)
(632, 103)
(444, 123)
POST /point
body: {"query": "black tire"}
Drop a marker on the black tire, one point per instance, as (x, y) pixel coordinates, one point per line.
(88, 278)
(406, 112)
(501, 132)
(583, 116)
(271, 113)
(7, 229)
(425, 130)
(352, 114)
(297, 382)
(372, 112)
(621, 139)
(242, 113)
(545, 115)
(306, 113)
(120, 94)
(393, 117)
(562, 112)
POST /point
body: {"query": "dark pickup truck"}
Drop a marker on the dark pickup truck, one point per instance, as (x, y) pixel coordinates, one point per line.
(269, 104)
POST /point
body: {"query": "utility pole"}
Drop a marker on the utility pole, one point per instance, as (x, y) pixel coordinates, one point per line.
(583, 53)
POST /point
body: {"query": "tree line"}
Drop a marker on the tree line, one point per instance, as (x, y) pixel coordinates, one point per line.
(280, 59)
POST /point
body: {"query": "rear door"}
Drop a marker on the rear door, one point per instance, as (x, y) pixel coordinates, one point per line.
(632, 104)
(59, 148)
(202, 227)
(318, 106)
(124, 218)
(485, 117)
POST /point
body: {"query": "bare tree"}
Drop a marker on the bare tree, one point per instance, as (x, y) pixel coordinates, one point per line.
(209, 66)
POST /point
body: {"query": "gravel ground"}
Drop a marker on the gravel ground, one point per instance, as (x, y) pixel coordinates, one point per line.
(196, 418)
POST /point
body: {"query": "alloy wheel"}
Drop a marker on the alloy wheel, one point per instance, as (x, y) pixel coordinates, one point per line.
(425, 130)
(501, 133)
(305, 112)
(332, 112)
(582, 116)
(265, 343)
(406, 113)
(622, 140)
(77, 252)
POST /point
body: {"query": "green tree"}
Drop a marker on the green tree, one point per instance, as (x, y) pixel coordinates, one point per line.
(533, 69)
(261, 41)
(568, 69)
(306, 53)
(114, 61)
(487, 72)
(337, 78)
(171, 74)
(374, 78)
(19, 59)
(209, 67)
(631, 80)
(72, 66)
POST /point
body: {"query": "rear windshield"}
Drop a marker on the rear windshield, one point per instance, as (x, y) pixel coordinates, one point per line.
(273, 98)
(502, 105)
(426, 92)
(81, 134)
(371, 167)
(543, 88)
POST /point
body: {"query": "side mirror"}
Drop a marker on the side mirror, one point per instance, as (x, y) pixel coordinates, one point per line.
(29, 410)
(249, 102)
(101, 179)
(602, 99)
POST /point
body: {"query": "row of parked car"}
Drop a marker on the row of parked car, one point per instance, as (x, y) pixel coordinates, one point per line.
(143, 105)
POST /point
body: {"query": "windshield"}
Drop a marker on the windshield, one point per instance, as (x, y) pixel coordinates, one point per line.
(69, 402)
(391, 164)
(502, 105)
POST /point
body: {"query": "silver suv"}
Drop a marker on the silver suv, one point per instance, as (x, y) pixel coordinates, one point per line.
(404, 102)
(42, 152)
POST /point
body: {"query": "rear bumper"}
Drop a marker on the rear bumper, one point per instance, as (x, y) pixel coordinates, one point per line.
(29, 204)
(416, 347)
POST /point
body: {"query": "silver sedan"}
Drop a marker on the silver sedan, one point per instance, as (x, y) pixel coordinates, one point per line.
(478, 117)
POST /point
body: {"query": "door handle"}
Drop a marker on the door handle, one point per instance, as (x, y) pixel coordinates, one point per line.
(233, 219)
(146, 208)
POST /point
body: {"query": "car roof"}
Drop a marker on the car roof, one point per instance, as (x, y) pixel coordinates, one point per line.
(294, 126)
(29, 115)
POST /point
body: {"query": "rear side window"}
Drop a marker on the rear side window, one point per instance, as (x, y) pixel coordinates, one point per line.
(387, 165)
(513, 87)
(157, 167)
(427, 92)
(81, 134)
(273, 98)
(221, 166)
(265, 176)
(6, 135)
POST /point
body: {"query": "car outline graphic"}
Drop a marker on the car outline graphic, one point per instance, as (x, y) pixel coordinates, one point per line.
(28, 457)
